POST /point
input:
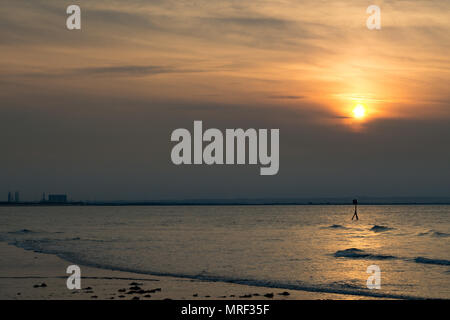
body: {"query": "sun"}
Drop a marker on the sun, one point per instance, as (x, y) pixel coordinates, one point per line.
(359, 111)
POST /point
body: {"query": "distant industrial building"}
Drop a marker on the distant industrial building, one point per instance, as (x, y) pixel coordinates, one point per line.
(57, 198)
(13, 197)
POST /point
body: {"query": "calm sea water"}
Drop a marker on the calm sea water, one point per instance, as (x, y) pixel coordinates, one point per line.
(314, 248)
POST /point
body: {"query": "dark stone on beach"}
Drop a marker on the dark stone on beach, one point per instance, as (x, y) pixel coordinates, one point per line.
(285, 293)
(135, 288)
(207, 296)
(131, 292)
(88, 288)
(256, 294)
(135, 298)
(42, 285)
(147, 296)
(112, 298)
(232, 296)
(195, 295)
(18, 293)
(121, 296)
(246, 296)
(268, 295)
(122, 290)
(135, 284)
(94, 297)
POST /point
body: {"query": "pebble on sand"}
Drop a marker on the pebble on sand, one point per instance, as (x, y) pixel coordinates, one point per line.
(42, 285)
(135, 288)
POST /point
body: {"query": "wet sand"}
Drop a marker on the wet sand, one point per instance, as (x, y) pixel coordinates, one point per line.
(31, 275)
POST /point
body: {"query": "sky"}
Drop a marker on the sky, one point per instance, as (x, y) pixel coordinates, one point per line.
(90, 112)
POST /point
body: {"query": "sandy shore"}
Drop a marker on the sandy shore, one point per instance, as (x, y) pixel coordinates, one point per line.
(30, 275)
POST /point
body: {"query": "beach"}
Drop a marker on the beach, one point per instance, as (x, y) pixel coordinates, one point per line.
(225, 252)
(23, 272)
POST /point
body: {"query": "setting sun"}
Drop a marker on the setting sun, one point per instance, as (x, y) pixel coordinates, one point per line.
(359, 111)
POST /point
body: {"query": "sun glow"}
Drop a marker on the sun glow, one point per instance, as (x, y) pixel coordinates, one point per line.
(359, 111)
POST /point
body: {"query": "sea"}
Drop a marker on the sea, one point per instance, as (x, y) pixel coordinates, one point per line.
(315, 248)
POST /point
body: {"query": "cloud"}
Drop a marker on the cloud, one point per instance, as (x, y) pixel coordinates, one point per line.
(104, 71)
(287, 97)
(124, 70)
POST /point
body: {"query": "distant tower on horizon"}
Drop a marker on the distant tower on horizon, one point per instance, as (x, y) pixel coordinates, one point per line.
(10, 197)
(17, 197)
(43, 197)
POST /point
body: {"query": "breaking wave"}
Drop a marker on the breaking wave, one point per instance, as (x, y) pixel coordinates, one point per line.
(434, 233)
(22, 231)
(377, 228)
(354, 253)
(336, 226)
(440, 262)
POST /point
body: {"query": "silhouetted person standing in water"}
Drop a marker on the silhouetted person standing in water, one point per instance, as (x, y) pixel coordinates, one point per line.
(355, 202)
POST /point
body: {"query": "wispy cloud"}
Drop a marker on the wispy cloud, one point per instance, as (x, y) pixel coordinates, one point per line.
(287, 97)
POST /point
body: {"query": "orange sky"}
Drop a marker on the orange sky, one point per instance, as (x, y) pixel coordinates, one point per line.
(262, 52)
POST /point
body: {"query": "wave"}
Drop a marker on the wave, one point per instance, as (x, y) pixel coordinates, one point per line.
(377, 228)
(29, 232)
(434, 233)
(22, 231)
(336, 226)
(354, 253)
(439, 262)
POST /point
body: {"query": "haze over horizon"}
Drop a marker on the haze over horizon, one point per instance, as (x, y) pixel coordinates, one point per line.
(89, 113)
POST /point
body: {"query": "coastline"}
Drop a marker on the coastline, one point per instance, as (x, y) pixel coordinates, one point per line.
(23, 273)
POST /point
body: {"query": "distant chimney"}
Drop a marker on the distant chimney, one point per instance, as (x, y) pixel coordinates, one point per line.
(10, 197)
(17, 197)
